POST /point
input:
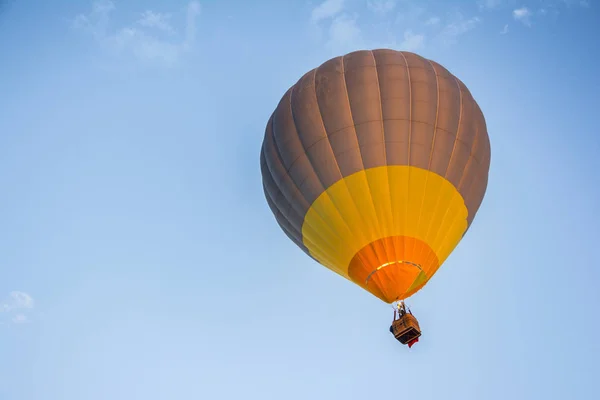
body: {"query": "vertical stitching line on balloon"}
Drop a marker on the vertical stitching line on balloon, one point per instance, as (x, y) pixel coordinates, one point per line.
(271, 201)
(311, 164)
(456, 218)
(270, 169)
(408, 147)
(460, 95)
(385, 166)
(468, 165)
(437, 90)
(286, 174)
(284, 228)
(371, 245)
(458, 125)
(350, 231)
(429, 259)
(271, 124)
(485, 165)
(275, 200)
(481, 163)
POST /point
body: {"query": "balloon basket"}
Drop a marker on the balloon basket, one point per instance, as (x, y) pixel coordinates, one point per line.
(405, 326)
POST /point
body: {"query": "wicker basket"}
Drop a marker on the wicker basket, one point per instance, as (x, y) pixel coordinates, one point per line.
(406, 328)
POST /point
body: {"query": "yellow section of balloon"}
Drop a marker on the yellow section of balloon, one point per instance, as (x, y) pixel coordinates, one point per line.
(381, 202)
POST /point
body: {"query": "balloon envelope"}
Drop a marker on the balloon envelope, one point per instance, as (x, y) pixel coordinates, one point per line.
(375, 164)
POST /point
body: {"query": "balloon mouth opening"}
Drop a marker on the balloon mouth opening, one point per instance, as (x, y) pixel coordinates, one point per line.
(389, 279)
(399, 263)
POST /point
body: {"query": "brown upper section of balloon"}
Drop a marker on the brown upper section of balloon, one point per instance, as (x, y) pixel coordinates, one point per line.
(368, 109)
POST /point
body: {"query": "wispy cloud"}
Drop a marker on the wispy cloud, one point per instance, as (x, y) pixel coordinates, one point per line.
(327, 9)
(341, 30)
(409, 13)
(522, 15)
(144, 38)
(156, 20)
(16, 306)
(381, 7)
(17, 301)
(344, 34)
(20, 319)
(433, 21)
(343, 26)
(458, 26)
(412, 41)
(338, 28)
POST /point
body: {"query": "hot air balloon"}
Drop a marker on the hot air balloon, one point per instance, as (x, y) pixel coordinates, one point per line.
(375, 164)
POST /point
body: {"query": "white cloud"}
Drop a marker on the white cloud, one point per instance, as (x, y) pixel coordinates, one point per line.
(523, 15)
(344, 34)
(409, 13)
(137, 39)
(96, 21)
(458, 26)
(20, 319)
(17, 300)
(521, 12)
(381, 7)
(432, 21)
(405, 24)
(156, 20)
(327, 9)
(341, 31)
(412, 41)
(16, 305)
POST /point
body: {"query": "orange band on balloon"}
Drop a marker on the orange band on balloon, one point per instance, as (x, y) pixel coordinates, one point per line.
(393, 268)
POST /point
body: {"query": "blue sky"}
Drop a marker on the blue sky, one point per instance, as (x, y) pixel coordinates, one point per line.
(139, 258)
